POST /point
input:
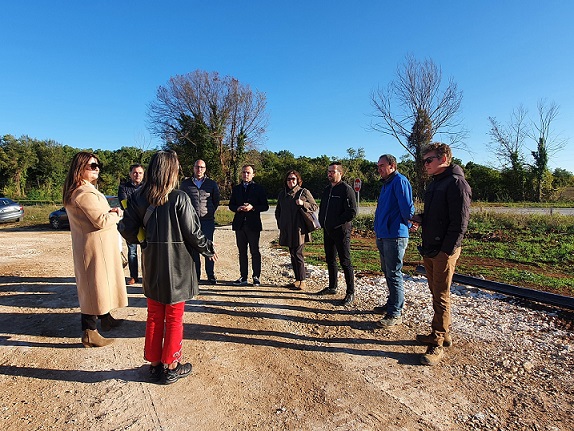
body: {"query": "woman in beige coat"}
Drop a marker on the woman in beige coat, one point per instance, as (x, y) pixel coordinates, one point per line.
(292, 233)
(97, 262)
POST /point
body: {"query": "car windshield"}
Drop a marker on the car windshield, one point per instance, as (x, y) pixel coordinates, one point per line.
(6, 202)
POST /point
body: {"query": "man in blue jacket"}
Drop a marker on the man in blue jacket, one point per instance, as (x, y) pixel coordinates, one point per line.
(395, 208)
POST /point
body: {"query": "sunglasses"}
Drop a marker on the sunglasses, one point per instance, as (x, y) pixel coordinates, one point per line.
(291, 179)
(429, 159)
(94, 166)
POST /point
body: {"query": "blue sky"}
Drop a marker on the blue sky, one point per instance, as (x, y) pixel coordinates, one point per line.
(83, 73)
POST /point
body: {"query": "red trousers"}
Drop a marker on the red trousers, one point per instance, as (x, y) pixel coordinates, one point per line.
(163, 332)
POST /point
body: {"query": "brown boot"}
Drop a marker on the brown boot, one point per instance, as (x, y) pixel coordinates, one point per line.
(92, 338)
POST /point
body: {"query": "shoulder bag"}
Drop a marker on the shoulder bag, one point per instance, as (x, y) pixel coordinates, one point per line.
(310, 218)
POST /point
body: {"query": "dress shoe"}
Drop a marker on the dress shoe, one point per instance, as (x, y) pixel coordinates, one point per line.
(348, 299)
(327, 291)
(179, 372)
(108, 322)
(92, 338)
(256, 281)
(212, 280)
(240, 282)
(131, 281)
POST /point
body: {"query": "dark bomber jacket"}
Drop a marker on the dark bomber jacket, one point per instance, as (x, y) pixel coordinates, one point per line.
(338, 207)
(446, 211)
(205, 200)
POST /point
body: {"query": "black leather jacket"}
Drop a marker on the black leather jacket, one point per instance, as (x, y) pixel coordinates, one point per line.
(172, 232)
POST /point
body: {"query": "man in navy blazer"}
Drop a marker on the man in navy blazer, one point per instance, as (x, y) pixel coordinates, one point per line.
(248, 200)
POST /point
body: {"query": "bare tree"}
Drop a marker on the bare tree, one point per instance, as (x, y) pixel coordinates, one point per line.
(210, 117)
(417, 95)
(507, 140)
(547, 145)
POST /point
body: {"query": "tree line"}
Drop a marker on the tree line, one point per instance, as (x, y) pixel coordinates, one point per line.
(35, 170)
(203, 115)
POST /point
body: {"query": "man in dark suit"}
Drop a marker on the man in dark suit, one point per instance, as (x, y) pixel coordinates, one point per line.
(248, 200)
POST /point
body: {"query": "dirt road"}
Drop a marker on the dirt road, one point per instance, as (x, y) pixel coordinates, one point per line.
(272, 359)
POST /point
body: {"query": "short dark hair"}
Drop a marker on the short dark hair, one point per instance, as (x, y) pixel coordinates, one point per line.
(251, 166)
(136, 165)
(391, 160)
(440, 149)
(339, 164)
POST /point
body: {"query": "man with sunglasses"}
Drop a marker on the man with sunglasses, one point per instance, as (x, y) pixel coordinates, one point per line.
(444, 223)
(204, 194)
(395, 207)
(125, 190)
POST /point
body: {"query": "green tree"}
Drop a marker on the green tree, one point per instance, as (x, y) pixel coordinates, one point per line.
(16, 157)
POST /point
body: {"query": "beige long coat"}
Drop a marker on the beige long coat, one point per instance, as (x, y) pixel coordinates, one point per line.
(97, 262)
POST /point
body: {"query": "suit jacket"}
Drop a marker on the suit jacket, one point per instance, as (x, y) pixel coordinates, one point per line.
(254, 195)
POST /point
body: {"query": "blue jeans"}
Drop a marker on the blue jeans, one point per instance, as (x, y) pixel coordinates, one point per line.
(208, 229)
(133, 260)
(391, 252)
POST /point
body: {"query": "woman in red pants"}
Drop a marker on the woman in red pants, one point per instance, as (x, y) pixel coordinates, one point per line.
(172, 231)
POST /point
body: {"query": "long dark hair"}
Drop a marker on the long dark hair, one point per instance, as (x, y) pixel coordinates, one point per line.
(162, 176)
(74, 177)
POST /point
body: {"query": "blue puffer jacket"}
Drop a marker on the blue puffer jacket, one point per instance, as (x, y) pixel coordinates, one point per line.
(394, 208)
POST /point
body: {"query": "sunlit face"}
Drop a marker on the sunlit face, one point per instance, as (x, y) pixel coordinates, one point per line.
(434, 164)
(136, 175)
(91, 170)
(199, 169)
(247, 174)
(334, 175)
(385, 169)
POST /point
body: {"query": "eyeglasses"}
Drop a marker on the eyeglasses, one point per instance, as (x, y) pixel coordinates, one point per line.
(94, 166)
(292, 179)
(429, 159)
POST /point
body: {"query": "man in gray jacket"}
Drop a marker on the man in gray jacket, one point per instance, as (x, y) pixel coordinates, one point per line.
(204, 194)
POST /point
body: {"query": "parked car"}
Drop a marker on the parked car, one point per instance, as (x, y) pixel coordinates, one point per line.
(59, 218)
(10, 210)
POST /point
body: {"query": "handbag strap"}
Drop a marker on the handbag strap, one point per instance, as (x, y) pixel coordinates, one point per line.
(148, 214)
(301, 190)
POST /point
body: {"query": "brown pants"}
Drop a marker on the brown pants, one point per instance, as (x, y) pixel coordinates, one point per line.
(440, 270)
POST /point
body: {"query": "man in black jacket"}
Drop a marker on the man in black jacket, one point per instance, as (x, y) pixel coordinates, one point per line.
(248, 200)
(125, 190)
(204, 194)
(444, 223)
(338, 207)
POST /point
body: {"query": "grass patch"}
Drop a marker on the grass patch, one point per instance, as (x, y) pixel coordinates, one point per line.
(534, 251)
